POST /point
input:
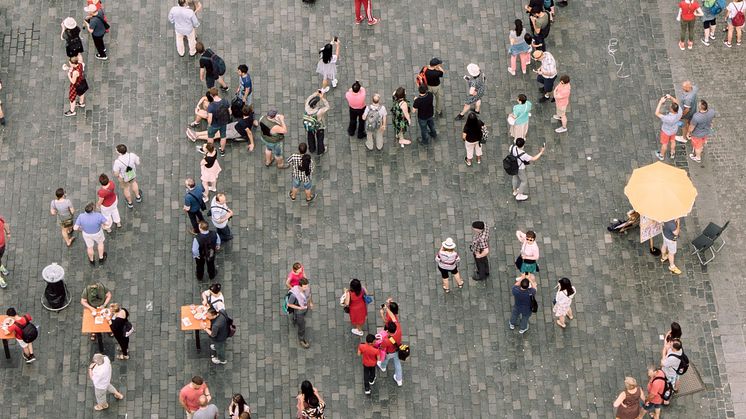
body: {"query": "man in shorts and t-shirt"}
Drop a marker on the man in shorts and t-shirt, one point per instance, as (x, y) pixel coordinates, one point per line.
(91, 223)
(107, 202)
(656, 387)
(125, 169)
(190, 394)
(669, 126)
(687, 101)
(671, 230)
(699, 128)
(273, 136)
(218, 117)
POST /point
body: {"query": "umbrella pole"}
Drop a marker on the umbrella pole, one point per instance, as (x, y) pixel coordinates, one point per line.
(654, 250)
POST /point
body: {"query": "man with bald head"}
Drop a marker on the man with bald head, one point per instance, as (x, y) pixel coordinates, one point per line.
(688, 103)
(205, 411)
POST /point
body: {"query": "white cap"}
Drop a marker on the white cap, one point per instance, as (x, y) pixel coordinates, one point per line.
(90, 8)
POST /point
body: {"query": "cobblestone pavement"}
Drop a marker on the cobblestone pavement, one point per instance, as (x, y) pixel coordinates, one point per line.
(379, 216)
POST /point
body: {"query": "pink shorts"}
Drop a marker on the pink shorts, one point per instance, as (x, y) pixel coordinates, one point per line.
(698, 142)
(665, 138)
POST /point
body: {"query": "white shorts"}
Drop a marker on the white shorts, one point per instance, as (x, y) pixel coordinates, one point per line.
(670, 245)
(21, 343)
(90, 239)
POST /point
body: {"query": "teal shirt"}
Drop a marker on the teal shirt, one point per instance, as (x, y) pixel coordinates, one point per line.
(521, 112)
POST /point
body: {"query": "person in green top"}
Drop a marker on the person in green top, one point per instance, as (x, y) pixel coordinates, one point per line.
(520, 114)
(95, 296)
(273, 135)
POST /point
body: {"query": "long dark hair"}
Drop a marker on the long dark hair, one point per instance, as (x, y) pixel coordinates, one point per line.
(305, 164)
(326, 53)
(675, 331)
(400, 93)
(306, 388)
(356, 286)
(518, 27)
(472, 122)
(241, 403)
(566, 286)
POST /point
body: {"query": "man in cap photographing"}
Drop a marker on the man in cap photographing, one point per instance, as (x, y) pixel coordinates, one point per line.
(480, 247)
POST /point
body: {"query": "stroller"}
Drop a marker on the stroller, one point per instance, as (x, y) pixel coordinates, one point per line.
(621, 226)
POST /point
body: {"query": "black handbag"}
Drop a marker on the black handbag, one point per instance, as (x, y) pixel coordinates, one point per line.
(534, 304)
(82, 87)
(519, 262)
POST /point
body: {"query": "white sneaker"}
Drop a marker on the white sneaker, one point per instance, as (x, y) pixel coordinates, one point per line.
(334, 83)
(521, 197)
(383, 369)
(399, 382)
(680, 139)
(357, 332)
(4, 270)
(212, 346)
(560, 130)
(511, 71)
(556, 117)
(325, 89)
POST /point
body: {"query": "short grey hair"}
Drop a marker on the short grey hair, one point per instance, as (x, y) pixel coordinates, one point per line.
(99, 359)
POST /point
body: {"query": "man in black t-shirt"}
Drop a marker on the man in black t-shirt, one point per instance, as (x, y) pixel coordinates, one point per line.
(433, 74)
(423, 106)
(245, 126)
(206, 72)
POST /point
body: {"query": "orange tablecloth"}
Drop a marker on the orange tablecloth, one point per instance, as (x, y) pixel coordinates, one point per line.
(90, 326)
(3, 335)
(196, 324)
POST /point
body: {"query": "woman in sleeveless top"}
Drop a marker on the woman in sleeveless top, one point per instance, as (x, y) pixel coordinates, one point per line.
(627, 404)
(401, 116)
(76, 77)
(71, 35)
(210, 170)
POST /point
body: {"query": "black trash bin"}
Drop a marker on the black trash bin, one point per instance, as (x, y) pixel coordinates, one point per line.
(56, 296)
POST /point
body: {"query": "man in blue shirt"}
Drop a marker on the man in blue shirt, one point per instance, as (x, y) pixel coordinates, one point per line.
(91, 223)
(245, 88)
(522, 290)
(97, 27)
(204, 247)
(193, 203)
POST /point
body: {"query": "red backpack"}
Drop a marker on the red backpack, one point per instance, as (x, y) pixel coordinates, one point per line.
(421, 79)
(739, 19)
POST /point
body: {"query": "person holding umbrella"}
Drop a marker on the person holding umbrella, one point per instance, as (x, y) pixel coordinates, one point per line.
(671, 230)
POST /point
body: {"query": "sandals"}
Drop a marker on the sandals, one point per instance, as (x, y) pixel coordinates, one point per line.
(93, 336)
(118, 396)
(123, 357)
(290, 194)
(446, 289)
(72, 240)
(560, 324)
(461, 285)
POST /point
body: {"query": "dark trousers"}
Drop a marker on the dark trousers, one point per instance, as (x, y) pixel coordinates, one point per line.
(224, 233)
(547, 83)
(123, 341)
(193, 218)
(316, 142)
(98, 41)
(211, 271)
(427, 129)
(299, 318)
(483, 268)
(356, 122)
(369, 374)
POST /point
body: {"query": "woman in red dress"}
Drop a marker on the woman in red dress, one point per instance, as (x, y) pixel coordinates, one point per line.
(77, 82)
(355, 301)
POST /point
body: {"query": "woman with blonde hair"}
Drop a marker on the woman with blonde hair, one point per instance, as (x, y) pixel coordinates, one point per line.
(448, 260)
(627, 404)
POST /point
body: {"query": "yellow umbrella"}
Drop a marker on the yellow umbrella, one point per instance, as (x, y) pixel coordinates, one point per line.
(661, 192)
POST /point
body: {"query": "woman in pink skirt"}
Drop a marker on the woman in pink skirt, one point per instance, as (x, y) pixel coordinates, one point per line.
(210, 170)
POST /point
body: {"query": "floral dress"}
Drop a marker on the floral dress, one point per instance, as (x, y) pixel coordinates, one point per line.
(397, 116)
(479, 85)
(563, 302)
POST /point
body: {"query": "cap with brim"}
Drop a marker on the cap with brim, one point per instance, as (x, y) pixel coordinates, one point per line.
(537, 54)
(449, 244)
(69, 23)
(272, 113)
(479, 225)
(90, 8)
(472, 69)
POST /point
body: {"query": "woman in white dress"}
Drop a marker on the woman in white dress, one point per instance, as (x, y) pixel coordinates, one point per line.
(327, 65)
(563, 301)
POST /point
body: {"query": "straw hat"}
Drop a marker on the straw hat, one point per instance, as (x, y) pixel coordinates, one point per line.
(449, 244)
(69, 23)
(473, 70)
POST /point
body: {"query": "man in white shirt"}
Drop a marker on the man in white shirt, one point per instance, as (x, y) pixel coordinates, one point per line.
(220, 215)
(100, 373)
(546, 74)
(185, 21)
(125, 169)
(520, 181)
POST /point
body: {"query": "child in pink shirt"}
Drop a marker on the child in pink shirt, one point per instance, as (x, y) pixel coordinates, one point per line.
(295, 275)
(562, 99)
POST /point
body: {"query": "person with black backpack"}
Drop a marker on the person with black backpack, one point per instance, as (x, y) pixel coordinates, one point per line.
(194, 203)
(25, 333)
(659, 391)
(515, 165)
(218, 330)
(675, 363)
(218, 117)
(204, 247)
(211, 67)
(71, 35)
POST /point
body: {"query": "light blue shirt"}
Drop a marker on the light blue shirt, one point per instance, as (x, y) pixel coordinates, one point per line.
(195, 244)
(90, 222)
(184, 19)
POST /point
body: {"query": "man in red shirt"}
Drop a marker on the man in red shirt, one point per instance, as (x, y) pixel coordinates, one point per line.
(4, 231)
(656, 387)
(16, 329)
(107, 201)
(190, 393)
(389, 314)
(371, 355)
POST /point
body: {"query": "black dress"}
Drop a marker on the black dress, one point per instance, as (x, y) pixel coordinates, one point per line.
(117, 328)
(73, 43)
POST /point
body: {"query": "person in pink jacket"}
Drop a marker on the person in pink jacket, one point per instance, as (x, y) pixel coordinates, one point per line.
(527, 263)
(561, 100)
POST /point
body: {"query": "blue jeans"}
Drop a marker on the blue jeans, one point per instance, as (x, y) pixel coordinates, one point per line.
(274, 148)
(397, 364)
(427, 126)
(520, 311)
